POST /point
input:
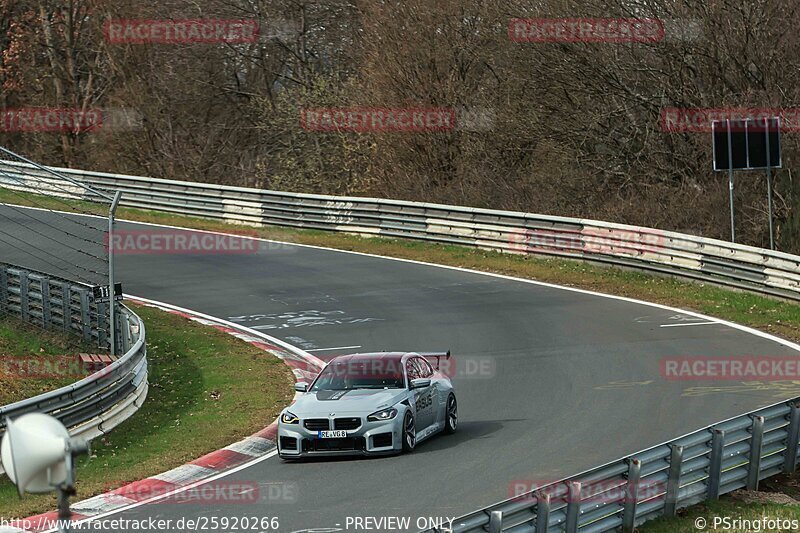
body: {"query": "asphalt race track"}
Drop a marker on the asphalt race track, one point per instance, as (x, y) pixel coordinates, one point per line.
(551, 381)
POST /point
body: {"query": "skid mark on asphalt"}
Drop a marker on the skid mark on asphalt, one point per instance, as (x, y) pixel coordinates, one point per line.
(291, 299)
(301, 342)
(615, 385)
(300, 319)
(780, 389)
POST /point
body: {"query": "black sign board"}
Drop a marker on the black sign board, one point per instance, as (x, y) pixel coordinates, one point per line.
(100, 293)
(748, 141)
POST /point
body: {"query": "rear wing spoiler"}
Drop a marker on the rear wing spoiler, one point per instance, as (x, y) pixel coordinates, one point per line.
(435, 356)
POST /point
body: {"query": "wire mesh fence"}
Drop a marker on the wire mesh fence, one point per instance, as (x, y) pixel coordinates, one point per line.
(52, 232)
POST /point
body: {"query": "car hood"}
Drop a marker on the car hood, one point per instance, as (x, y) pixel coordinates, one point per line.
(365, 401)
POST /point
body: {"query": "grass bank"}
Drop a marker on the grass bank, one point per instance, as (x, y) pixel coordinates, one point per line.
(207, 390)
(34, 360)
(771, 510)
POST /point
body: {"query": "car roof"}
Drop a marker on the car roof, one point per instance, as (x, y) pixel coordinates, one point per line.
(372, 356)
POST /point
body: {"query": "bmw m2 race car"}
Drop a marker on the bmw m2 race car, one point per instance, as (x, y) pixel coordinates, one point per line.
(369, 404)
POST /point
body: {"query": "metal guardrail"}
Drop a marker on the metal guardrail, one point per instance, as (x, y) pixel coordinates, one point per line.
(53, 303)
(99, 402)
(733, 454)
(702, 465)
(709, 260)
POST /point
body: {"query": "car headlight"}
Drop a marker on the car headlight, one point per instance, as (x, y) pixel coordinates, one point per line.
(289, 418)
(386, 414)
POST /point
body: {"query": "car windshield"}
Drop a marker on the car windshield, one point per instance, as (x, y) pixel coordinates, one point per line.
(361, 374)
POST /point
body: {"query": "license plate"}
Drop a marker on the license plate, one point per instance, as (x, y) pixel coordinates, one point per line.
(336, 434)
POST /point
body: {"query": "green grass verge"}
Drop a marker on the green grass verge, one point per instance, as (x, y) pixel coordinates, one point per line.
(777, 317)
(207, 390)
(778, 502)
(52, 356)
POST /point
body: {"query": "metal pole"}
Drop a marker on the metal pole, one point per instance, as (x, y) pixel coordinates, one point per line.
(756, 448)
(631, 499)
(672, 495)
(790, 459)
(112, 303)
(769, 188)
(730, 176)
(715, 468)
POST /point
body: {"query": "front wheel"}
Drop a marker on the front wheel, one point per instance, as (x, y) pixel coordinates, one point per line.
(451, 414)
(409, 432)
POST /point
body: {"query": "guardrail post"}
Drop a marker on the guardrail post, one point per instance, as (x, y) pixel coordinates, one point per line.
(495, 522)
(86, 325)
(715, 468)
(102, 334)
(24, 285)
(756, 440)
(631, 495)
(673, 480)
(45, 282)
(542, 512)
(573, 506)
(66, 307)
(57, 289)
(3, 290)
(790, 459)
(125, 323)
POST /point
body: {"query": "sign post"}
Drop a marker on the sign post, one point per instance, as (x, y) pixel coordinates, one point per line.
(769, 185)
(747, 144)
(112, 303)
(730, 176)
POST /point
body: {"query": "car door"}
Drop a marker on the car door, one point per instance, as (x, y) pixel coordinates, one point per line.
(437, 402)
(423, 397)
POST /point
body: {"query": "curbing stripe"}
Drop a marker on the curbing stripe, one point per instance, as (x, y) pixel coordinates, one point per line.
(221, 459)
(183, 475)
(304, 366)
(252, 446)
(106, 502)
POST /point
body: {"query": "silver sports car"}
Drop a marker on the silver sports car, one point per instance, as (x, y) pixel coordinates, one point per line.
(369, 404)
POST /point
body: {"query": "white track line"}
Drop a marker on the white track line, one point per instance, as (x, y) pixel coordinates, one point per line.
(337, 348)
(686, 324)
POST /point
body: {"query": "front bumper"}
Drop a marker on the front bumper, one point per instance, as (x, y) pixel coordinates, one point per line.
(370, 438)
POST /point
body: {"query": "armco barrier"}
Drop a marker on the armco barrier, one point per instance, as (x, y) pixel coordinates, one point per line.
(709, 260)
(53, 303)
(733, 454)
(703, 465)
(95, 404)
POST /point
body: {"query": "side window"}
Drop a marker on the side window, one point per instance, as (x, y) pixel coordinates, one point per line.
(425, 370)
(412, 370)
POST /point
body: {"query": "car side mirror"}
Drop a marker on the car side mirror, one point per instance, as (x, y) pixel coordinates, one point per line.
(420, 383)
(301, 386)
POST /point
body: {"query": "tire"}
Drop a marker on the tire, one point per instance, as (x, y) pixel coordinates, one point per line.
(451, 415)
(409, 433)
